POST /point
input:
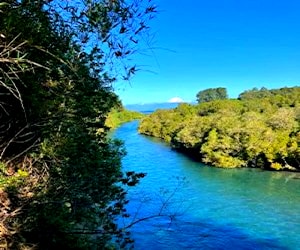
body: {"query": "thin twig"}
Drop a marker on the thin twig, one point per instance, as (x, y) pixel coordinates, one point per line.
(11, 140)
(24, 151)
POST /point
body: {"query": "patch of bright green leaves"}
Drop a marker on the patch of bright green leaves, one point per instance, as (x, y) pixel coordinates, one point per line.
(9, 178)
(117, 117)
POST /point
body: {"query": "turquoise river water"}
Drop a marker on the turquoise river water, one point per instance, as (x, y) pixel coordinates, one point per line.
(193, 206)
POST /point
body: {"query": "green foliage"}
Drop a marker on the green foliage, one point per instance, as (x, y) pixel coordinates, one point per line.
(116, 117)
(212, 94)
(61, 184)
(164, 123)
(255, 93)
(254, 132)
(10, 179)
(283, 97)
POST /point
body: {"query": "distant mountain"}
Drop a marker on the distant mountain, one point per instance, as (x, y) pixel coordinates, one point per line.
(150, 107)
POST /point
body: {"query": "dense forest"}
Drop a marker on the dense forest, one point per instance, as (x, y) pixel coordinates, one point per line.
(61, 184)
(260, 129)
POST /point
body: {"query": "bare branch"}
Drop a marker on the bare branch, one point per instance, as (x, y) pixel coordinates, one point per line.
(21, 60)
(11, 140)
(24, 151)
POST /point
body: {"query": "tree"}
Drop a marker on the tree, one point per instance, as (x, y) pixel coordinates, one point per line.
(255, 93)
(61, 184)
(211, 94)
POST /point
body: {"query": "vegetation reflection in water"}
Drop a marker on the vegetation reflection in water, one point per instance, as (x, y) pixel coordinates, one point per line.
(214, 208)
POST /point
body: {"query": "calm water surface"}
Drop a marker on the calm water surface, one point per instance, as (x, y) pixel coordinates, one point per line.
(207, 208)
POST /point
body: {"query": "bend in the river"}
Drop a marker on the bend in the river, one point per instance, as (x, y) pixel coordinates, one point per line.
(205, 207)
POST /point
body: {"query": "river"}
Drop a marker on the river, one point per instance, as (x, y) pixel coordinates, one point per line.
(200, 207)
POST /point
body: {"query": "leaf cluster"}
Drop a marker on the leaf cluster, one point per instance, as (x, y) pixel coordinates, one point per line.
(211, 94)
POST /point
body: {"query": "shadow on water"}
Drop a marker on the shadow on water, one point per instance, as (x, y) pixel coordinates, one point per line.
(204, 235)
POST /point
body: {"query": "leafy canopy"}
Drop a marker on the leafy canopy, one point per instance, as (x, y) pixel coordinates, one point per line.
(211, 94)
(61, 184)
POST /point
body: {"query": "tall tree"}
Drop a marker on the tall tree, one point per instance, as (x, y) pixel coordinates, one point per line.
(211, 94)
(61, 184)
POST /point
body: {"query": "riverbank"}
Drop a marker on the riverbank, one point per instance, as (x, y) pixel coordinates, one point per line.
(253, 131)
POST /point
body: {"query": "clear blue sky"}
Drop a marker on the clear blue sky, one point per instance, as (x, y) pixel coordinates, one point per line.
(237, 44)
